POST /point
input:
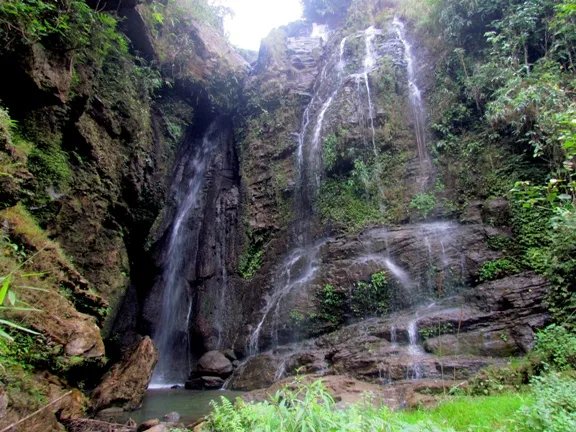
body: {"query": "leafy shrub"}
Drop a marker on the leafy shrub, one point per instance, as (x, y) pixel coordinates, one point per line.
(329, 153)
(497, 269)
(331, 304)
(343, 206)
(554, 409)
(69, 24)
(498, 379)
(250, 262)
(305, 407)
(557, 347)
(370, 298)
(424, 203)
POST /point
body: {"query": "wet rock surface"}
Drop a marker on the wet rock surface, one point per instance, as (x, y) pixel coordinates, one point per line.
(452, 339)
(214, 363)
(424, 263)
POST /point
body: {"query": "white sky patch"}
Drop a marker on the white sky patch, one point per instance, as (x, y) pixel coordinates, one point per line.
(253, 19)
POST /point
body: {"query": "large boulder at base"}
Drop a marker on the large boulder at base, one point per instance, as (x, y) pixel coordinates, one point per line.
(214, 363)
(204, 383)
(126, 383)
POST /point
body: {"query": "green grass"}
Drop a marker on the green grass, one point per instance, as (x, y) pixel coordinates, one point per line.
(309, 407)
(472, 413)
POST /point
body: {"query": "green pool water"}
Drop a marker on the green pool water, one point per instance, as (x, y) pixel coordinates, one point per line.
(190, 404)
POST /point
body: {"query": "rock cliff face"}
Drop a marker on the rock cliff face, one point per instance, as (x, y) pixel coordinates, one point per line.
(289, 215)
(460, 335)
(87, 171)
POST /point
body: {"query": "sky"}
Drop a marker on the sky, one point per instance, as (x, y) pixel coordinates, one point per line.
(254, 19)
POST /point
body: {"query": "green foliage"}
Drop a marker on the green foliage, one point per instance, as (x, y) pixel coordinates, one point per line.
(466, 413)
(250, 261)
(329, 151)
(305, 406)
(370, 298)
(437, 330)
(556, 347)
(9, 300)
(515, 375)
(344, 205)
(331, 305)
(554, 408)
(69, 24)
(424, 203)
(499, 242)
(497, 269)
(49, 164)
(302, 407)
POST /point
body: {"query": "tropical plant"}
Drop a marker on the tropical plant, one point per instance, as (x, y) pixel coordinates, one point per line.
(9, 301)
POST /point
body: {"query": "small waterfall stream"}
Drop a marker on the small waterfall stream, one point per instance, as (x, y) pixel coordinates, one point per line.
(414, 92)
(171, 332)
(301, 264)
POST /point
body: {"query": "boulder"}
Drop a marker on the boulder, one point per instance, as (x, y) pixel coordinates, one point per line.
(346, 390)
(472, 213)
(158, 428)
(258, 372)
(125, 384)
(214, 363)
(342, 388)
(230, 355)
(496, 211)
(109, 414)
(148, 424)
(497, 343)
(205, 383)
(171, 417)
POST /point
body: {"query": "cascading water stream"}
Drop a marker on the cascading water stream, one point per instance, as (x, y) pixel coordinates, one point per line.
(414, 91)
(300, 266)
(171, 333)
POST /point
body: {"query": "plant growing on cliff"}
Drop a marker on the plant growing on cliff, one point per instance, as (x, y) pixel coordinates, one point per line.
(497, 269)
(370, 298)
(70, 24)
(424, 203)
(9, 303)
(331, 304)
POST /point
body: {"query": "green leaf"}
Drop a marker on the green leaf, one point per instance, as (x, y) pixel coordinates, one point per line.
(33, 274)
(12, 297)
(4, 289)
(6, 335)
(18, 327)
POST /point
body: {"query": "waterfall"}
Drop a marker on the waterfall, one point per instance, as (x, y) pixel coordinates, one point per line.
(321, 31)
(414, 92)
(298, 269)
(368, 64)
(414, 369)
(171, 332)
(300, 265)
